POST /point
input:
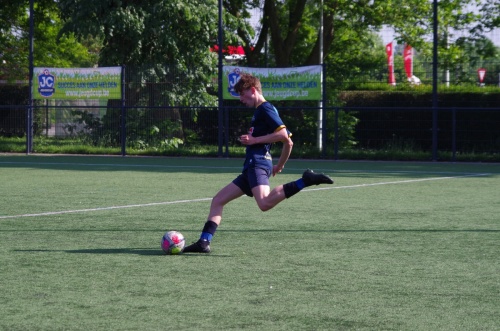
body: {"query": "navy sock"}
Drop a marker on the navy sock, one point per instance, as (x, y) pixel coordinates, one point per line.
(293, 188)
(208, 230)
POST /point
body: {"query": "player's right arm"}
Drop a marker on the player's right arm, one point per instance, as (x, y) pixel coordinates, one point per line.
(280, 134)
(285, 154)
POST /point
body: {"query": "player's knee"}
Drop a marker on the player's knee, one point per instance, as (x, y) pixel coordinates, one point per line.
(217, 201)
(264, 206)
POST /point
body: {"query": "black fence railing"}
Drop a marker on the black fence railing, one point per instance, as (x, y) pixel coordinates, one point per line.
(459, 130)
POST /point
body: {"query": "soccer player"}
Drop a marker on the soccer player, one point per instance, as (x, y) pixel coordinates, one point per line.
(267, 128)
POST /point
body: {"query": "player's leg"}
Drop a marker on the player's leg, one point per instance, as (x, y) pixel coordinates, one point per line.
(223, 197)
(308, 178)
(267, 199)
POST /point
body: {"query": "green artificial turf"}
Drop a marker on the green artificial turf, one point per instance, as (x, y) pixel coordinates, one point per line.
(390, 246)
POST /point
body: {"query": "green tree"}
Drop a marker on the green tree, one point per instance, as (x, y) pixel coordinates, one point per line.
(50, 49)
(150, 35)
(292, 26)
(462, 25)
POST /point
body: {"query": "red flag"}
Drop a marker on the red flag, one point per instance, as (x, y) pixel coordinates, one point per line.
(408, 59)
(390, 63)
(481, 72)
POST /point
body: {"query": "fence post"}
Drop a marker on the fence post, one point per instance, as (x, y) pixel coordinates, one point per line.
(336, 140)
(323, 111)
(29, 127)
(434, 84)
(220, 38)
(324, 134)
(220, 121)
(46, 117)
(123, 121)
(29, 113)
(454, 134)
(226, 131)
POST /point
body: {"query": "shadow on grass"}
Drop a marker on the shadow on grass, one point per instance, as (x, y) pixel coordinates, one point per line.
(265, 230)
(137, 251)
(134, 251)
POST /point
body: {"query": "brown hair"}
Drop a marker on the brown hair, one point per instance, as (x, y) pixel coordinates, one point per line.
(247, 81)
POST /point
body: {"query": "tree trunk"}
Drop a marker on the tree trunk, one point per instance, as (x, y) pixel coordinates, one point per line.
(283, 43)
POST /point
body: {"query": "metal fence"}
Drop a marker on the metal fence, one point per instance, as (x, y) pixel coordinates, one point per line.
(459, 130)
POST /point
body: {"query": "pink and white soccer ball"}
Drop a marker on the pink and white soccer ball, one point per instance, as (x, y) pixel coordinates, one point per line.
(172, 242)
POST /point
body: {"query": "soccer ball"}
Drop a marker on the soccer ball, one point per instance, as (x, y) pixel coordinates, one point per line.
(172, 242)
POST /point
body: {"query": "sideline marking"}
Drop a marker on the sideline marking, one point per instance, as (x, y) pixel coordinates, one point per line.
(398, 182)
(208, 199)
(105, 208)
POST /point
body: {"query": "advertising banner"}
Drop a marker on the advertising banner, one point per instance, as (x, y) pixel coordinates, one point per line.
(390, 63)
(481, 73)
(297, 83)
(77, 83)
(408, 59)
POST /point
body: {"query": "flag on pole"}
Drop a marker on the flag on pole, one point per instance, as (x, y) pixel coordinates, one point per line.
(408, 59)
(390, 63)
(481, 72)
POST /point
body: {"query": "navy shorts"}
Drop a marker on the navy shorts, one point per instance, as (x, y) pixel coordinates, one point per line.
(252, 177)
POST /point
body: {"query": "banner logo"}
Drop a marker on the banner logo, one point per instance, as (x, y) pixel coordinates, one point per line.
(46, 83)
(233, 78)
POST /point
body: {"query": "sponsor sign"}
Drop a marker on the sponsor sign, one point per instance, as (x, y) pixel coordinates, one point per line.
(297, 83)
(77, 83)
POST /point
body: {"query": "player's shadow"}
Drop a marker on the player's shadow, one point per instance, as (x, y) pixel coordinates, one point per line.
(134, 251)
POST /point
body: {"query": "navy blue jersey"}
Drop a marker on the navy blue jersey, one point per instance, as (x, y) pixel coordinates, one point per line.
(265, 120)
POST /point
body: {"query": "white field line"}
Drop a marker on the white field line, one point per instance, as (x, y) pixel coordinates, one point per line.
(105, 208)
(208, 199)
(395, 182)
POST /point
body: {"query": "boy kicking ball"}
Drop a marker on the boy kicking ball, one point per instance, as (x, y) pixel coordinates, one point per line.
(267, 128)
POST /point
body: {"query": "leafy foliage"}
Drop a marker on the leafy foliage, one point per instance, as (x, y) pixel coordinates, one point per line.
(152, 34)
(50, 50)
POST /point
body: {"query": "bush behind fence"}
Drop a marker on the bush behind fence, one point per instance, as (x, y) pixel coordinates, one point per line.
(460, 130)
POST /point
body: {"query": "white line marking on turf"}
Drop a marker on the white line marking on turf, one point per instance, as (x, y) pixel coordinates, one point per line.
(395, 182)
(106, 208)
(208, 199)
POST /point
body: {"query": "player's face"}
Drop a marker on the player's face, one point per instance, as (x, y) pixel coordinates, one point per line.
(247, 97)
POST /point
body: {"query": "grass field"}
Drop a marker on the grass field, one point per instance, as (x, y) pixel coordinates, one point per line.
(391, 246)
